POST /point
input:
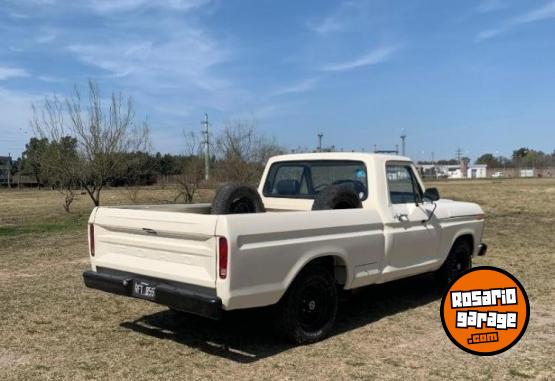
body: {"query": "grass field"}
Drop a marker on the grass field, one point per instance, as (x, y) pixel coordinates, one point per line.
(54, 328)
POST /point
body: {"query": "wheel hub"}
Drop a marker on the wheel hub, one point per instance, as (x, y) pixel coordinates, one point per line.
(311, 305)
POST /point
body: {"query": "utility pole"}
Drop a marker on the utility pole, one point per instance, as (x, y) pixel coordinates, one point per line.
(459, 155)
(396, 149)
(206, 148)
(320, 136)
(9, 170)
(403, 137)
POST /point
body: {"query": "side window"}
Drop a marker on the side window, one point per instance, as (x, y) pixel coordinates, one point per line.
(402, 185)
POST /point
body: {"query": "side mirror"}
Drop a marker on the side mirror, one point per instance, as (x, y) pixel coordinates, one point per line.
(431, 194)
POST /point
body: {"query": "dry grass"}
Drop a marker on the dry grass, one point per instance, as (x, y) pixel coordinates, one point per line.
(55, 328)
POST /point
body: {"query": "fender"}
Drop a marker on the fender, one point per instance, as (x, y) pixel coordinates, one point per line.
(306, 259)
(460, 233)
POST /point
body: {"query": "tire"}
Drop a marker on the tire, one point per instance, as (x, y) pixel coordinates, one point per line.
(458, 261)
(339, 196)
(306, 313)
(237, 198)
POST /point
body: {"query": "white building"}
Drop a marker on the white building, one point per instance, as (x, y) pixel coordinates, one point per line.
(454, 171)
(477, 171)
(528, 172)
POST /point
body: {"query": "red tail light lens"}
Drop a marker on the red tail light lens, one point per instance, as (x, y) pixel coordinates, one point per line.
(91, 239)
(223, 251)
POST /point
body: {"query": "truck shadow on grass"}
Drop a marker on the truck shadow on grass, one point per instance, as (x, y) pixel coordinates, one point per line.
(247, 336)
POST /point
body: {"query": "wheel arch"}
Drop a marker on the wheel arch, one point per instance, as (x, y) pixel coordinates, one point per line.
(337, 263)
(464, 236)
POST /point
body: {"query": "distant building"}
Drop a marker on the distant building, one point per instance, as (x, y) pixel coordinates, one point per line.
(453, 171)
(477, 171)
(527, 172)
(5, 168)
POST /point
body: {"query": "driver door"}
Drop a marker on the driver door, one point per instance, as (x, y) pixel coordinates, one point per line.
(415, 238)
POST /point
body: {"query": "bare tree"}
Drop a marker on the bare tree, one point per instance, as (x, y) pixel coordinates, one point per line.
(192, 173)
(59, 160)
(243, 151)
(103, 133)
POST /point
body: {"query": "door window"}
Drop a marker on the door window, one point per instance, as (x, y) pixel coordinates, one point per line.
(402, 185)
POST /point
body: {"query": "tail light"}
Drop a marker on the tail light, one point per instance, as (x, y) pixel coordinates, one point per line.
(91, 239)
(223, 251)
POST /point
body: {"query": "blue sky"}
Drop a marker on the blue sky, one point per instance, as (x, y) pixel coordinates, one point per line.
(479, 75)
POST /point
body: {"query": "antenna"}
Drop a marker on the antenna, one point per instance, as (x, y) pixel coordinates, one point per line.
(206, 147)
(320, 136)
(403, 137)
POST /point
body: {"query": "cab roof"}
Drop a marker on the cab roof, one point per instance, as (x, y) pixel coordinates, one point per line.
(358, 156)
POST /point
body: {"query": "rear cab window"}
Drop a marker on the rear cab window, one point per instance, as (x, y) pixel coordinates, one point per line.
(306, 179)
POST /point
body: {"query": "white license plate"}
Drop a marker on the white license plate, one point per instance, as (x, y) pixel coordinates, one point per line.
(144, 290)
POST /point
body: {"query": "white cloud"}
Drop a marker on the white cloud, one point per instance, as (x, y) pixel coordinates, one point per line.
(538, 14)
(489, 33)
(45, 38)
(50, 79)
(12, 72)
(184, 59)
(372, 58)
(326, 25)
(487, 6)
(299, 87)
(340, 19)
(111, 6)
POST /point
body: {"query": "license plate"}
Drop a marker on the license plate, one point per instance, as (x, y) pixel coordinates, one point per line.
(144, 290)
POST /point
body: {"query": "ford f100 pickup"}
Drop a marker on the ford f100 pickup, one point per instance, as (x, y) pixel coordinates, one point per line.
(317, 224)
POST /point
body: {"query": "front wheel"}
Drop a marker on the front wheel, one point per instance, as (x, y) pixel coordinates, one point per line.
(307, 311)
(458, 261)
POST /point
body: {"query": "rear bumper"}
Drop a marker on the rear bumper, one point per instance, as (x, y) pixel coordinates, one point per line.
(482, 249)
(180, 296)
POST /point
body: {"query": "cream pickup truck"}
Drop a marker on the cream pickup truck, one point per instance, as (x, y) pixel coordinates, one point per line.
(319, 223)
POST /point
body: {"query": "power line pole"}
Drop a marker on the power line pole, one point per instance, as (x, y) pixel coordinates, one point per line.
(320, 136)
(403, 137)
(459, 155)
(206, 148)
(9, 170)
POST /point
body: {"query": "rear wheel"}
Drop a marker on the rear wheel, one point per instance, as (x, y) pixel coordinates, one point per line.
(307, 311)
(458, 261)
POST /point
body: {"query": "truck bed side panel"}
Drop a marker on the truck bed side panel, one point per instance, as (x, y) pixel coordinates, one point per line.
(268, 250)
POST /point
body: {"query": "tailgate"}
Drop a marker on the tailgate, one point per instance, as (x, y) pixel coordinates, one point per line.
(168, 245)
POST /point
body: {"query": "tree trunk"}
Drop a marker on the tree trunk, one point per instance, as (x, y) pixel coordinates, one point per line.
(94, 194)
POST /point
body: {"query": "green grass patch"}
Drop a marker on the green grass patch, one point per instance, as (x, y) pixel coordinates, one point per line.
(45, 227)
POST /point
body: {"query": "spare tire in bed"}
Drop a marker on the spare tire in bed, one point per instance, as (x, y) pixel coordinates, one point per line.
(237, 198)
(339, 196)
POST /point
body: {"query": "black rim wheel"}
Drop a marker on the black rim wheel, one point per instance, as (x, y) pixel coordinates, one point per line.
(461, 263)
(313, 306)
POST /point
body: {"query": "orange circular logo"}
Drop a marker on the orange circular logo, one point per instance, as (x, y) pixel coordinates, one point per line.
(485, 311)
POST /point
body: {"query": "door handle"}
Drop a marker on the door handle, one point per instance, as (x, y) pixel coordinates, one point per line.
(402, 217)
